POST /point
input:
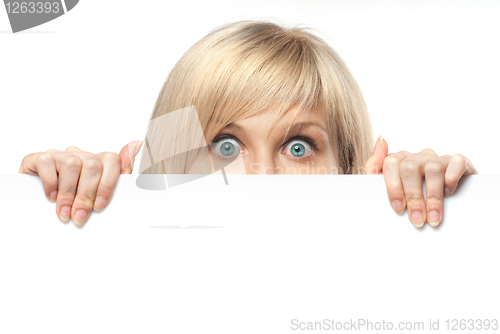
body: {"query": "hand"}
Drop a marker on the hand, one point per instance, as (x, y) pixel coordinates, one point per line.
(403, 174)
(95, 174)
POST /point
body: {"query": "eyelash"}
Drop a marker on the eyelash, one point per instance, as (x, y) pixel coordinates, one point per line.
(308, 140)
(221, 137)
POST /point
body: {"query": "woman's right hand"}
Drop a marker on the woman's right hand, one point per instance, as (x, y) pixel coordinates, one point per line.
(95, 175)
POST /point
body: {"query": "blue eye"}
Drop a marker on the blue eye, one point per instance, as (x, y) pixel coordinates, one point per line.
(225, 149)
(298, 149)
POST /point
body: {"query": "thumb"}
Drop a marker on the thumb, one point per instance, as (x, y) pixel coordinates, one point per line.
(375, 162)
(127, 156)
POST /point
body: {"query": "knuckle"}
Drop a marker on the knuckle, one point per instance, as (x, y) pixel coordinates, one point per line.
(408, 167)
(104, 191)
(111, 157)
(391, 159)
(51, 151)
(459, 159)
(414, 200)
(394, 191)
(396, 196)
(449, 179)
(434, 199)
(85, 199)
(44, 158)
(72, 162)
(428, 151)
(93, 165)
(65, 197)
(106, 188)
(434, 167)
(72, 148)
(30, 156)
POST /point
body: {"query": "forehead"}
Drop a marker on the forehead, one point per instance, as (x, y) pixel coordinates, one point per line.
(272, 117)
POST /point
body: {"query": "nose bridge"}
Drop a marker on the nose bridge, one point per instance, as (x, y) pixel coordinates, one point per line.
(261, 162)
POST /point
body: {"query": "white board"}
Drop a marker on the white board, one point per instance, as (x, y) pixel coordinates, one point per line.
(265, 254)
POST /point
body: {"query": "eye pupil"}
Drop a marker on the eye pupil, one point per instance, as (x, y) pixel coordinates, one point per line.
(298, 150)
(227, 148)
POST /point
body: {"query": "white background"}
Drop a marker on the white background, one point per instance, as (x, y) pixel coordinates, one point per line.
(428, 70)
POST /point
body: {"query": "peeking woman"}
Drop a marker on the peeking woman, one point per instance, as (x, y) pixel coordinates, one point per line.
(275, 100)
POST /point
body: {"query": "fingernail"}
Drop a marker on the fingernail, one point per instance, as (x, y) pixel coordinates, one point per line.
(99, 204)
(53, 196)
(433, 218)
(80, 216)
(446, 192)
(416, 218)
(397, 206)
(65, 213)
(378, 145)
(133, 153)
(138, 147)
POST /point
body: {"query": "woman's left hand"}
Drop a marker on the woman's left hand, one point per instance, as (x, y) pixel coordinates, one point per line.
(403, 174)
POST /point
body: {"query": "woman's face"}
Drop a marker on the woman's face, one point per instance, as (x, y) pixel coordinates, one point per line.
(265, 146)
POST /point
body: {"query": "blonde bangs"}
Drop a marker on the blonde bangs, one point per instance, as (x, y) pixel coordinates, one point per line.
(256, 71)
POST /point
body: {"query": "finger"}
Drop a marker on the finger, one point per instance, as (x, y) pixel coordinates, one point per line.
(457, 167)
(28, 165)
(411, 171)
(109, 178)
(46, 169)
(434, 184)
(90, 176)
(127, 156)
(393, 182)
(374, 164)
(69, 173)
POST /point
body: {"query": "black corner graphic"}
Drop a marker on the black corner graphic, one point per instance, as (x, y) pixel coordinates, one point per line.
(25, 14)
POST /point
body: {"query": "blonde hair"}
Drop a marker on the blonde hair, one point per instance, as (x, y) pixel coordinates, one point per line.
(245, 68)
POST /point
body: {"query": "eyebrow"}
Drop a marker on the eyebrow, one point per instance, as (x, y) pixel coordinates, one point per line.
(286, 129)
(296, 127)
(293, 127)
(233, 125)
